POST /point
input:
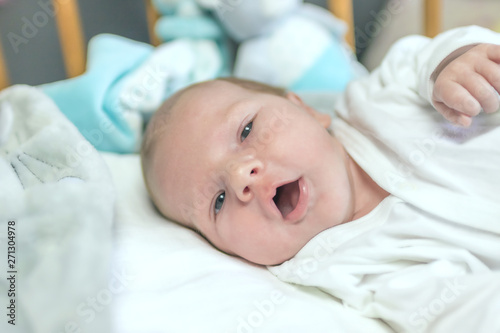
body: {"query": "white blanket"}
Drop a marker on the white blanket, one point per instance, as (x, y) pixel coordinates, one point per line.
(174, 281)
(57, 198)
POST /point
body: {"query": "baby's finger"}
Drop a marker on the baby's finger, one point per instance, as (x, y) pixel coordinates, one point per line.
(452, 115)
(491, 73)
(493, 52)
(482, 92)
(457, 98)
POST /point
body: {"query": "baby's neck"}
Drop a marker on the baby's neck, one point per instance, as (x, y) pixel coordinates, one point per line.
(367, 193)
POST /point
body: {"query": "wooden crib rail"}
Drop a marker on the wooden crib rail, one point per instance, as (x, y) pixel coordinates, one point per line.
(432, 17)
(69, 28)
(4, 75)
(343, 9)
(74, 49)
(151, 16)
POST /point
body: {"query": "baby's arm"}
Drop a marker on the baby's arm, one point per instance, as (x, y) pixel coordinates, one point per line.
(469, 83)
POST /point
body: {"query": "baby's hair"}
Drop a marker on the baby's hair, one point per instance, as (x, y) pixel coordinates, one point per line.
(255, 86)
(158, 122)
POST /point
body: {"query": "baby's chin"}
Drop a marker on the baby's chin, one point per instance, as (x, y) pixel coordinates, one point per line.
(268, 259)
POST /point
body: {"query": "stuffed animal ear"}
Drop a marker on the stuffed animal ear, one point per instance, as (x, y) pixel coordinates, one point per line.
(250, 19)
(297, 54)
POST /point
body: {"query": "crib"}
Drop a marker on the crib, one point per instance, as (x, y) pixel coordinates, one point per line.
(73, 47)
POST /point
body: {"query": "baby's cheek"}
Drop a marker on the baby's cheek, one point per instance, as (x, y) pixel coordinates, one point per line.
(243, 231)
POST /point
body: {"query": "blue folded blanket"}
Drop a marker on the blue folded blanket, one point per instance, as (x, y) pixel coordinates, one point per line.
(85, 100)
(125, 82)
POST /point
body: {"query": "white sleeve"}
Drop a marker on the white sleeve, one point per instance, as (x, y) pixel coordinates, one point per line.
(415, 61)
(388, 126)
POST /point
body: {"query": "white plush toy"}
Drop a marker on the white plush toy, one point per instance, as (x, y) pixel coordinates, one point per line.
(288, 43)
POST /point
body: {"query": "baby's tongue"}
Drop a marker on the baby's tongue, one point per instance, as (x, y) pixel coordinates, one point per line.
(287, 197)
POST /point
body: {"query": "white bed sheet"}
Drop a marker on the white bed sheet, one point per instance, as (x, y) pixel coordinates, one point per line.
(172, 280)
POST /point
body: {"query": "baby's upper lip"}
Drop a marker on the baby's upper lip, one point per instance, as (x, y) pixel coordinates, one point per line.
(271, 198)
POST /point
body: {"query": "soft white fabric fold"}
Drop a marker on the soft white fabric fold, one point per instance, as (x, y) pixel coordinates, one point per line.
(57, 190)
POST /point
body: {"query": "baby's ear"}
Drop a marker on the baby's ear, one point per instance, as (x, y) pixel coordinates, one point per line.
(324, 119)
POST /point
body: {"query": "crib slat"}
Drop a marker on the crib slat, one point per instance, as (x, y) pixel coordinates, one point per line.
(152, 16)
(342, 9)
(70, 36)
(4, 75)
(432, 17)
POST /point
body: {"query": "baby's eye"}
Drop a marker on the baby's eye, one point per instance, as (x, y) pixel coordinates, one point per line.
(246, 131)
(219, 201)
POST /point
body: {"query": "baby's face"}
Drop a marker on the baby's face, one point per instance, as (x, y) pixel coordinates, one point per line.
(257, 174)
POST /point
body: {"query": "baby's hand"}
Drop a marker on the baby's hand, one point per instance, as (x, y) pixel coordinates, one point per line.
(468, 84)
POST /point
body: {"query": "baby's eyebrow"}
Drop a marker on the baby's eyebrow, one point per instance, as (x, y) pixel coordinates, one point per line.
(233, 109)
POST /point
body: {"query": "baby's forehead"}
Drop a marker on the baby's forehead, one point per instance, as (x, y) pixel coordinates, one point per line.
(218, 93)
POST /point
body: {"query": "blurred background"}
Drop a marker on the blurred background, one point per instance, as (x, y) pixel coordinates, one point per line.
(37, 59)
(40, 59)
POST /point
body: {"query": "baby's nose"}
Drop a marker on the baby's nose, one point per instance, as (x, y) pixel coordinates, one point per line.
(244, 175)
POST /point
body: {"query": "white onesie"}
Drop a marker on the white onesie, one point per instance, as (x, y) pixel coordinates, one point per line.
(427, 258)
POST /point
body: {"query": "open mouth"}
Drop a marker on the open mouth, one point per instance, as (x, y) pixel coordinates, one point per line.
(287, 197)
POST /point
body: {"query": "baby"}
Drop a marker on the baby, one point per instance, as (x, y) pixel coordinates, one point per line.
(396, 214)
(252, 168)
(258, 173)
